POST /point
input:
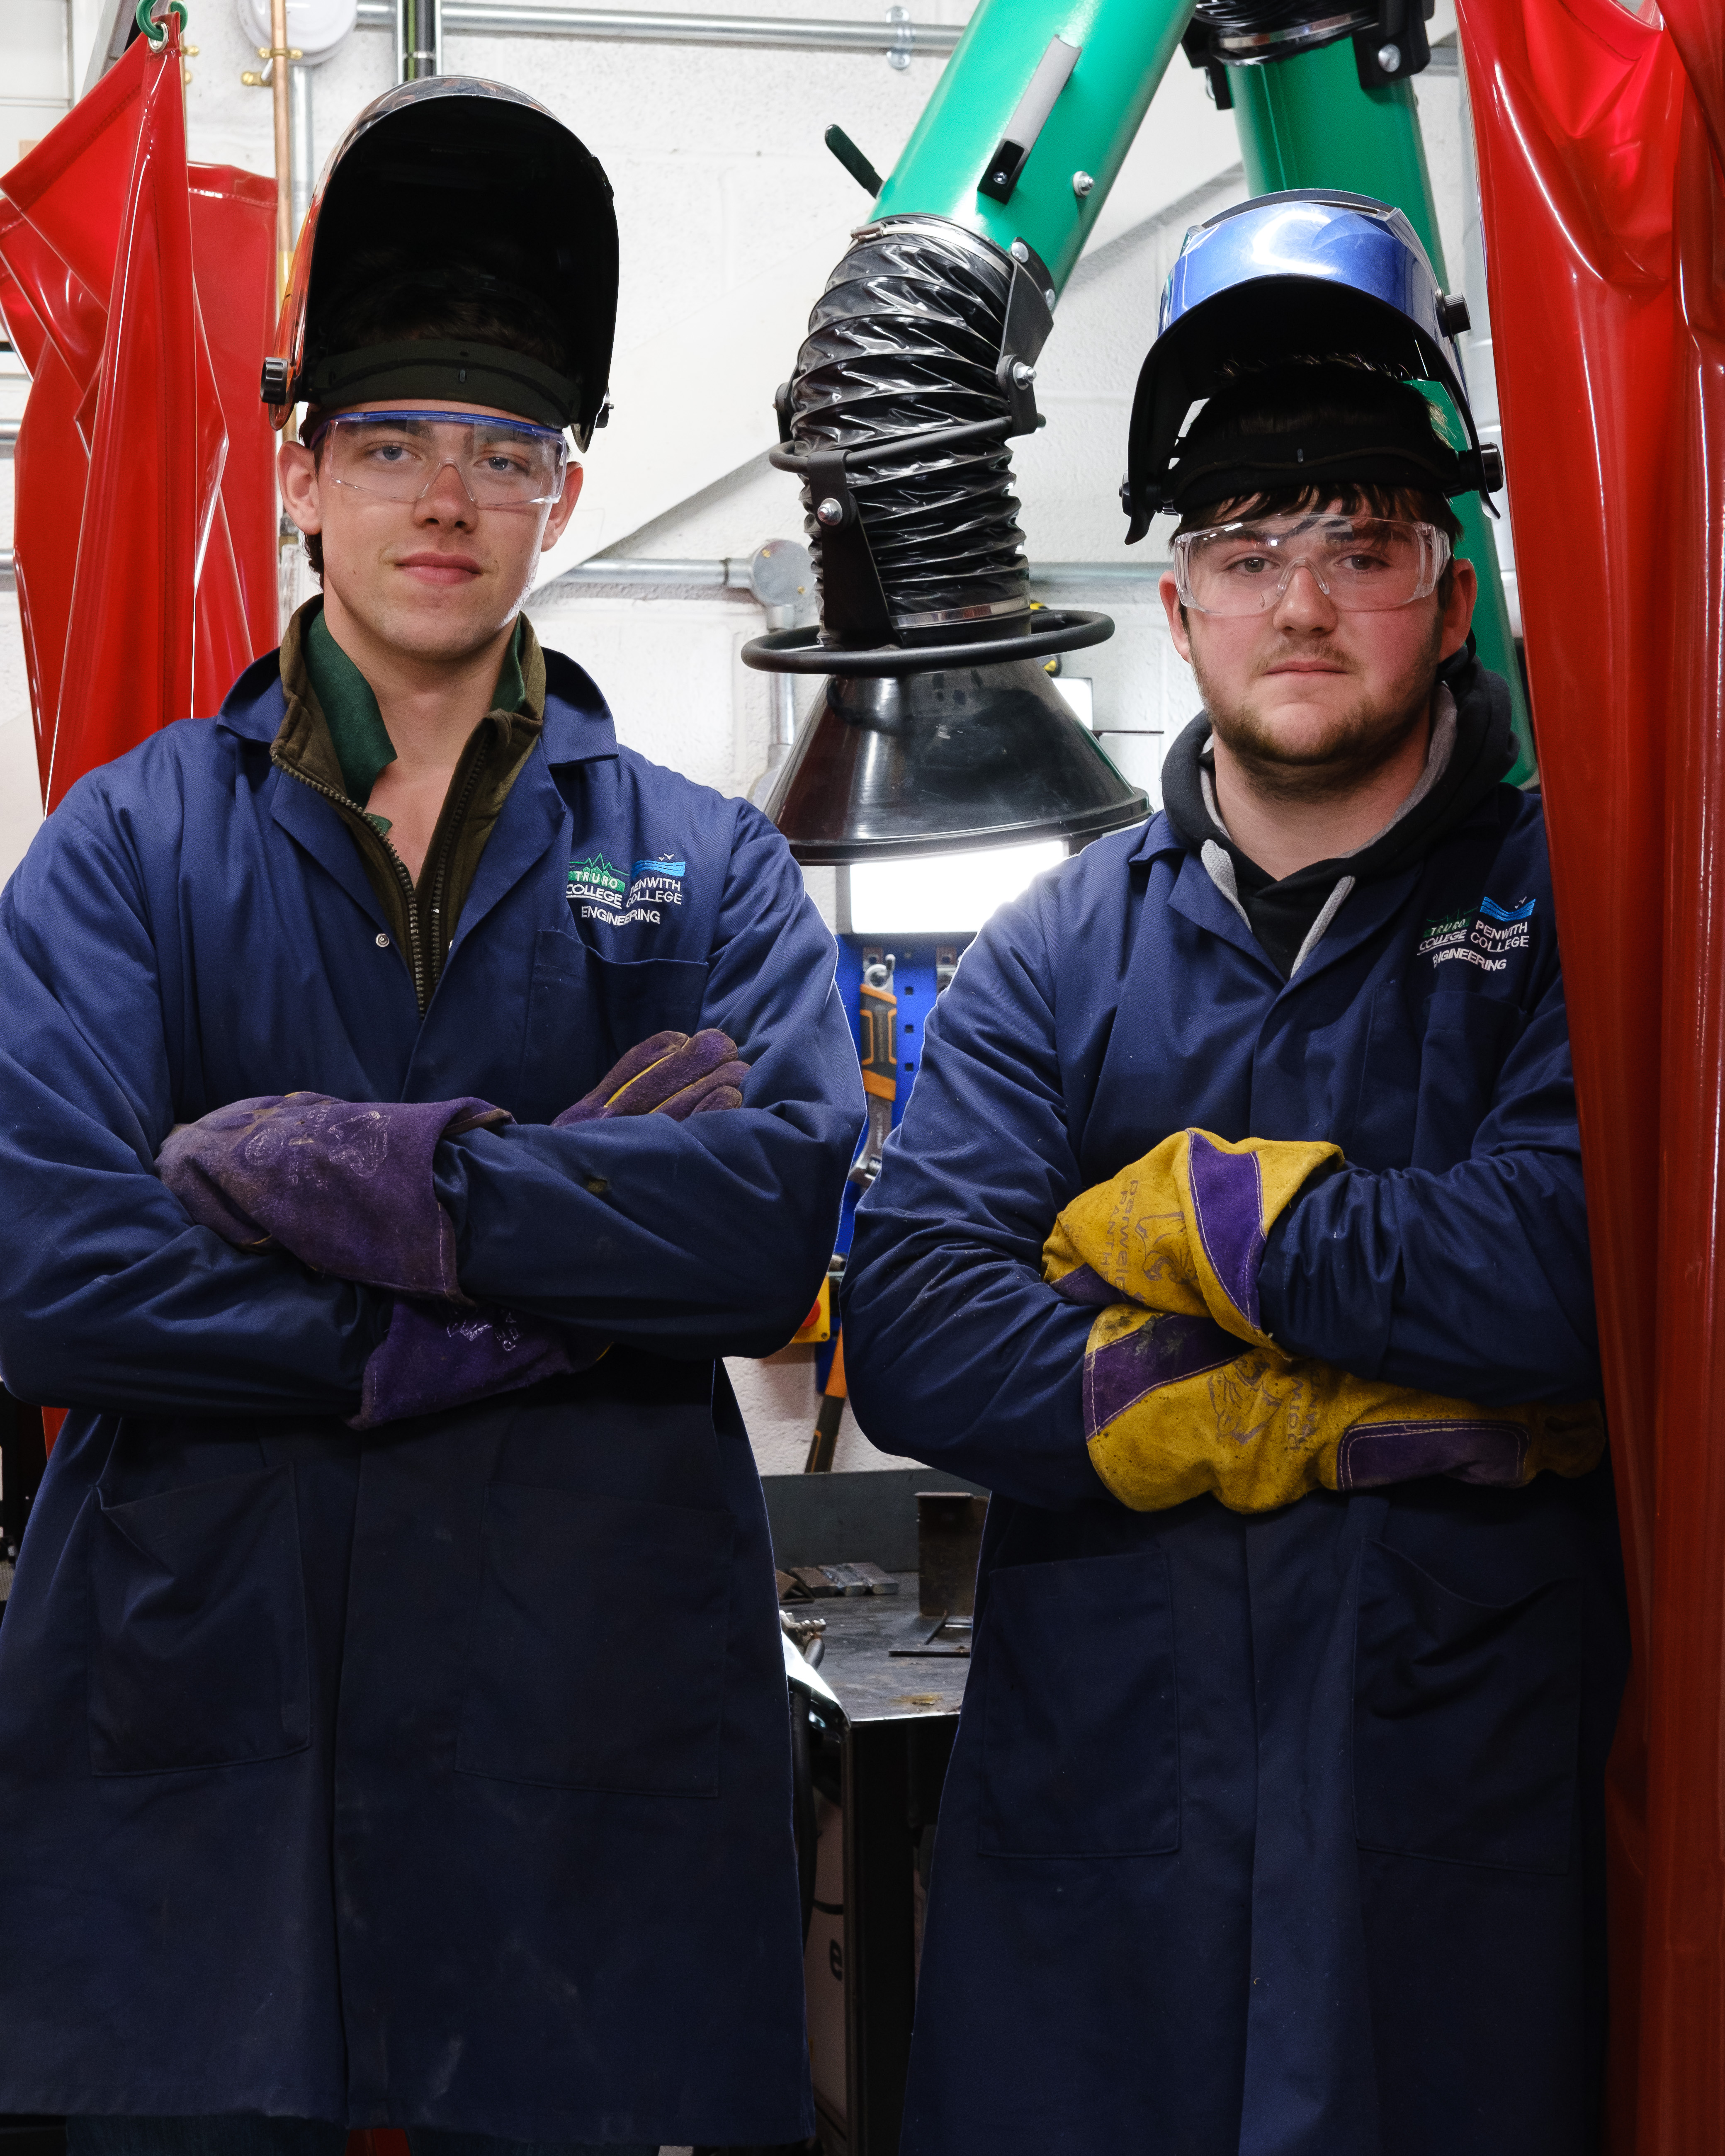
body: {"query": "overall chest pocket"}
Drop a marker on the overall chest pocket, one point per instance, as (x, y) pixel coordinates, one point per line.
(584, 1011)
(198, 1647)
(1430, 1071)
(576, 1678)
(1080, 1730)
(1466, 1718)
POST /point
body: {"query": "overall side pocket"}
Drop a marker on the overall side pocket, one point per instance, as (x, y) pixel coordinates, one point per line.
(1081, 1728)
(579, 1679)
(1466, 1718)
(197, 1642)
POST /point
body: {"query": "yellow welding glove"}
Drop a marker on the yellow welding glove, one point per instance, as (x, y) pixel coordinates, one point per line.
(1173, 1410)
(1168, 1252)
(1183, 1230)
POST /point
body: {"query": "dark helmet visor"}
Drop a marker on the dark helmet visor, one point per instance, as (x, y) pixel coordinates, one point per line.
(447, 190)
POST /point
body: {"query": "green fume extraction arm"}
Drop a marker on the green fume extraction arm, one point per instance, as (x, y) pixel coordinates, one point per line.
(936, 727)
(1121, 50)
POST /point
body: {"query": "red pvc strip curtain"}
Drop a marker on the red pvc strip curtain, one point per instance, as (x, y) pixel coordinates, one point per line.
(144, 512)
(1600, 130)
(144, 507)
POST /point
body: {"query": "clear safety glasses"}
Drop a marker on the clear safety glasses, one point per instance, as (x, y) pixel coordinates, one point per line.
(1361, 564)
(502, 463)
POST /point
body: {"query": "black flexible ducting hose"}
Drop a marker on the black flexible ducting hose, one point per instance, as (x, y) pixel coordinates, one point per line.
(905, 339)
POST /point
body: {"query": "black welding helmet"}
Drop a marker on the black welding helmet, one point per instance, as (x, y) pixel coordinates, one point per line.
(462, 203)
(1305, 275)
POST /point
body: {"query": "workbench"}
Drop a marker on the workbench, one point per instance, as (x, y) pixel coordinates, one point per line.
(892, 1740)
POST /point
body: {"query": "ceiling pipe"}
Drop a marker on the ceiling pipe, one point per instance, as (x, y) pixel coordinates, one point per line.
(419, 27)
(303, 153)
(522, 18)
(673, 575)
(900, 41)
(673, 578)
(280, 54)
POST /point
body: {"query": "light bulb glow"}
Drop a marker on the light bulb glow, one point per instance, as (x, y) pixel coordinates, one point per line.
(943, 894)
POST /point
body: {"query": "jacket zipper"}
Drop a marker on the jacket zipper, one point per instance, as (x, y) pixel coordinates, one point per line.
(416, 955)
(464, 801)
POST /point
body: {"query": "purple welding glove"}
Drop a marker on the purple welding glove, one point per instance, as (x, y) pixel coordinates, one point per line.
(436, 1356)
(344, 1185)
(670, 1075)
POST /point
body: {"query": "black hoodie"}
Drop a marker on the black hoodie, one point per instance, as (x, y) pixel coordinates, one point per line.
(1281, 914)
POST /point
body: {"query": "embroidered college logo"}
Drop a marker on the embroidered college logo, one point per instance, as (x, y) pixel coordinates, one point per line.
(1443, 929)
(595, 879)
(599, 892)
(657, 883)
(1484, 938)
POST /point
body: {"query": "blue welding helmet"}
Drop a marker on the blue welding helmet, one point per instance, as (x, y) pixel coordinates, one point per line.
(1309, 274)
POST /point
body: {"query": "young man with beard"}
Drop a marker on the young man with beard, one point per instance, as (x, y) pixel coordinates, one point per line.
(1235, 1238)
(409, 1094)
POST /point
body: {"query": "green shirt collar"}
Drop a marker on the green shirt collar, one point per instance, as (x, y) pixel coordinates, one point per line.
(511, 693)
(358, 733)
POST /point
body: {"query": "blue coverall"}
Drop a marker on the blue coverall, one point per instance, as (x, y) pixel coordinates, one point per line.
(1279, 1835)
(440, 1775)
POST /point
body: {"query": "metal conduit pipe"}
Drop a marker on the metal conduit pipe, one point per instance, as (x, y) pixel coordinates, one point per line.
(662, 573)
(419, 27)
(672, 576)
(522, 19)
(303, 152)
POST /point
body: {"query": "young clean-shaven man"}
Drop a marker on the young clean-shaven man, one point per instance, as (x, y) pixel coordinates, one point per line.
(1235, 1238)
(408, 1094)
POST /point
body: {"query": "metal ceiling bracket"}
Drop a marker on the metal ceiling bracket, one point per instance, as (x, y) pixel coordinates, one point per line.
(853, 605)
(1396, 45)
(1026, 330)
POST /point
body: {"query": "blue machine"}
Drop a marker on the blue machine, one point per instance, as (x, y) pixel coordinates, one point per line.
(917, 969)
